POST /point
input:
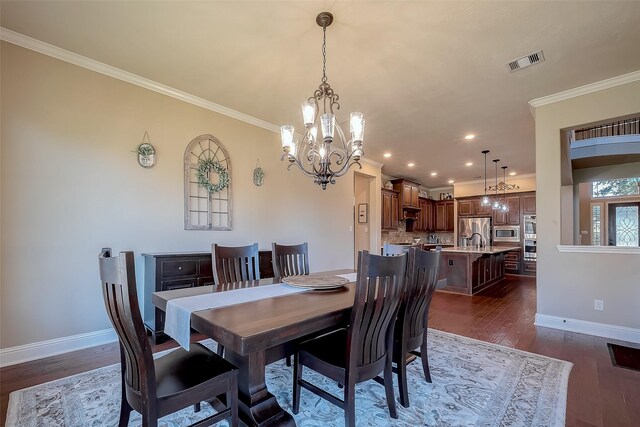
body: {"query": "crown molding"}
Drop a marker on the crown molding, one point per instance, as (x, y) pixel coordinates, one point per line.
(586, 89)
(117, 73)
(481, 181)
(370, 162)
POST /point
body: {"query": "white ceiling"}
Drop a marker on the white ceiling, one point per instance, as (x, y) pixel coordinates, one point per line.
(424, 73)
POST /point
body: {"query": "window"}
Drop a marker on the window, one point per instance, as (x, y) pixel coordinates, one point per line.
(595, 225)
(204, 210)
(617, 187)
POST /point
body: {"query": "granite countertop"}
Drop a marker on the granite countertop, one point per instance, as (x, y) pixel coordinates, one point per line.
(483, 250)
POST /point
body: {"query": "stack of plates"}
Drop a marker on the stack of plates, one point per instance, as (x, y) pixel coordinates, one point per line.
(316, 282)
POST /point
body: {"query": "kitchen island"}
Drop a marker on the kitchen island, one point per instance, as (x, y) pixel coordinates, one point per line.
(469, 270)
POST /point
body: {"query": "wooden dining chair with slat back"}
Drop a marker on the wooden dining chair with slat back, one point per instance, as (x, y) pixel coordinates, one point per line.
(362, 350)
(234, 264)
(290, 260)
(413, 315)
(171, 382)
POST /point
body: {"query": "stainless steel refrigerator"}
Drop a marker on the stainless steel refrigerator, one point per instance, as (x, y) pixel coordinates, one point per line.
(468, 226)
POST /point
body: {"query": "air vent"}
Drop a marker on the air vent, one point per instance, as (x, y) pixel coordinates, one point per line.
(525, 61)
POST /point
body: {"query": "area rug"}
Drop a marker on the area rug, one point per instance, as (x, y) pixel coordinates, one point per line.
(474, 384)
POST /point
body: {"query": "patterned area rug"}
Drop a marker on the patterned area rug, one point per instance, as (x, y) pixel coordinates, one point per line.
(474, 384)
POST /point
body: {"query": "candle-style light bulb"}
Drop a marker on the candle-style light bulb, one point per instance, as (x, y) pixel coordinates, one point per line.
(286, 134)
(328, 122)
(308, 113)
(356, 125)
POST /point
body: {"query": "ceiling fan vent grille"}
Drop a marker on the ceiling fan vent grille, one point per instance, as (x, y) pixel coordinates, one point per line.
(525, 61)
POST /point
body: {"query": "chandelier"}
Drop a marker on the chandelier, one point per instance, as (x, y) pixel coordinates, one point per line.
(314, 153)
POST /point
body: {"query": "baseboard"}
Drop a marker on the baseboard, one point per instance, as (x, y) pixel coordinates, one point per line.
(39, 350)
(622, 333)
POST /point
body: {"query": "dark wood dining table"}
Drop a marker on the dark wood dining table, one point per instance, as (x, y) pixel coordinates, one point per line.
(261, 332)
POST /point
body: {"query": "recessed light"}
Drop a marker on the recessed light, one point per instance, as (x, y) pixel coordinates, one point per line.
(469, 137)
(469, 164)
(387, 155)
(411, 164)
(451, 181)
(512, 173)
(434, 173)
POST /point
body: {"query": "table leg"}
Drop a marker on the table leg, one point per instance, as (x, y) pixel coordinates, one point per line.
(257, 406)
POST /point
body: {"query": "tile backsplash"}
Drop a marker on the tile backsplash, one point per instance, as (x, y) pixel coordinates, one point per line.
(403, 236)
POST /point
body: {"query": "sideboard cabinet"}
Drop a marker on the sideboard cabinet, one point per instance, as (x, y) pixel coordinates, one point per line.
(169, 271)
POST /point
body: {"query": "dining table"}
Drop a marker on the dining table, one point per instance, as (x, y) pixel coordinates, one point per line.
(257, 333)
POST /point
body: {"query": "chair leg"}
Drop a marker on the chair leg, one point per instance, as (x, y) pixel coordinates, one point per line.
(197, 407)
(425, 358)
(220, 350)
(149, 420)
(288, 361)
(232, 401)
(388, 387)
(125, 411)
(350, 403)
(402, 381)
(297, 375)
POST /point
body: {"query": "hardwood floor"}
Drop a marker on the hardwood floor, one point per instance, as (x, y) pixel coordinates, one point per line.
(599, 393)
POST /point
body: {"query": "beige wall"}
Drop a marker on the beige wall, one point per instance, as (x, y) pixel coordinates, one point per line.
(70, 184)
(569, 282)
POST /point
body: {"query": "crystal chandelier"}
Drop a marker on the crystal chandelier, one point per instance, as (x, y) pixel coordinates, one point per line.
(315, 152)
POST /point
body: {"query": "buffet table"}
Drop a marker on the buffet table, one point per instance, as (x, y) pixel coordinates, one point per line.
(469, 270)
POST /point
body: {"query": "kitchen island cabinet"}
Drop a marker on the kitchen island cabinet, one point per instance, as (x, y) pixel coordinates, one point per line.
(468, 270)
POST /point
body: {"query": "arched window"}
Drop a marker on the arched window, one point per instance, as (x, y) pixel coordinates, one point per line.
(204, 209)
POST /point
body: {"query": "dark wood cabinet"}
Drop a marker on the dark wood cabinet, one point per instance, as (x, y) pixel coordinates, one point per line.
(473, 207)
(169, 271)
(512, 261)
(444, 213)
(529, 204)
(424, 220)
(512, 216)
(408, 192)
(389, 209)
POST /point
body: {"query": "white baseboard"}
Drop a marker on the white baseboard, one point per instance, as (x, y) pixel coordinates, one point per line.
(39, 350)
(622, 333)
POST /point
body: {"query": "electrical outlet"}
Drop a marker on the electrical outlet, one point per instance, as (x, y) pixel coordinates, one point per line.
(598, 304)
(450, 262)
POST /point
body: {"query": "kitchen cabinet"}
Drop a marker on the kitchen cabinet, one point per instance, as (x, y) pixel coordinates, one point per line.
(444, 213)
(473, 207)
(424, 220)
(511, 217)
(408, 192)
(389, 209)
(512, 261)
(529, 204)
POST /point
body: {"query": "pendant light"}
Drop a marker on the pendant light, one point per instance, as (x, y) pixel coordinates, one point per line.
(505, 206)
(485, 199)
(496, 202)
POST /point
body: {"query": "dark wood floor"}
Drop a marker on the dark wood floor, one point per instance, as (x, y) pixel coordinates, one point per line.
(599, 393)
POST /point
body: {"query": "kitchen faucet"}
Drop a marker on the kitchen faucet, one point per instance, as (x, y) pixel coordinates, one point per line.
(481, 244)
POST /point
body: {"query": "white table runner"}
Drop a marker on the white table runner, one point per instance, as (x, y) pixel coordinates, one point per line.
(177, 323)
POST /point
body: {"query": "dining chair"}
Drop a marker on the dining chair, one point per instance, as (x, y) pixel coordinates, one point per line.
(392, 250)
(173, 381)
(413, 316)
(235, 264)
(362, 350)
(290, 260)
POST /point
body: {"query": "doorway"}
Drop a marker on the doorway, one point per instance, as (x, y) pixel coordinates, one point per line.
(624, 224)
(364, 199)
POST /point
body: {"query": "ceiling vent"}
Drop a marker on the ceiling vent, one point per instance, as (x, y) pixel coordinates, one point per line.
(525, 61)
